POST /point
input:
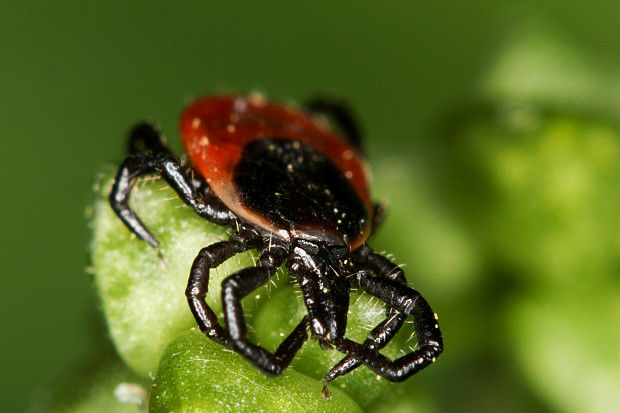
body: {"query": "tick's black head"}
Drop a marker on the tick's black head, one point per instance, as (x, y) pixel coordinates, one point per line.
(299, 189)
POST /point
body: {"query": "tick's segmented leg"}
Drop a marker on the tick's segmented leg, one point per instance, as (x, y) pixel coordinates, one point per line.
(198, 283)
(339, 113)
(325, 294)
(378, 338)
(378, 215)
(170, 169)
(146, 137)
(383, 333)
(234, 289)
(408, 301)
(318, 301)
(340, 294)
(384, 268)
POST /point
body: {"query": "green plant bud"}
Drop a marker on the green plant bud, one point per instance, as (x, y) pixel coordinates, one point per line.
(141, 289)
(198, 375)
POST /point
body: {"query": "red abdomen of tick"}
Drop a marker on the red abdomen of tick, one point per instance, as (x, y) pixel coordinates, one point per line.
(279, 168)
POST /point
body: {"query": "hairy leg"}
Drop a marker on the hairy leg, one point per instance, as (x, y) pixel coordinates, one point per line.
(407, 301)
(234, 289)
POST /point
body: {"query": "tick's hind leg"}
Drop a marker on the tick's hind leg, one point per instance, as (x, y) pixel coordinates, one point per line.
(146, 137)
(173, 173)
(338, 112)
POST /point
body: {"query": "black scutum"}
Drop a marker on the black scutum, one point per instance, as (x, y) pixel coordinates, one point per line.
(296, 187)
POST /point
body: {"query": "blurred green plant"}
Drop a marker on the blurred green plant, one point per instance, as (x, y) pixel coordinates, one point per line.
(106, 385)
(542, 190)
(196, 374)
(535, 174)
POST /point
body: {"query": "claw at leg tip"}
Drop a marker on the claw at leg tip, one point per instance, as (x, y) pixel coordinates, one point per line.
(325, 392)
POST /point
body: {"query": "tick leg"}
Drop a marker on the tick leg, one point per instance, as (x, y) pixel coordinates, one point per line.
(340, 114)
(170, 169)
(198, 284)
(340, 295)
(234, 289)
(326, 293)
(317, 298)
(378, 215)
(146, 137)
(408, 301)
(384, 268)
(378, 338)
(383, 333)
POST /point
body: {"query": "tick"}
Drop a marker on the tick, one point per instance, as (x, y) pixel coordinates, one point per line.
(295, 190)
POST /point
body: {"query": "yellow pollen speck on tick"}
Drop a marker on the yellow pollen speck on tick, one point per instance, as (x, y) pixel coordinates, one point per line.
(257, 99)
(204, 141)
(231, 128)
(196, 123)
(348, 174)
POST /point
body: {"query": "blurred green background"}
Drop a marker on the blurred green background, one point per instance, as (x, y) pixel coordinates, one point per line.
(492, 134)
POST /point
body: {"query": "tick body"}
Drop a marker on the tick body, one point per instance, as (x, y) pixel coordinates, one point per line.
(279, 169)
(295, 190)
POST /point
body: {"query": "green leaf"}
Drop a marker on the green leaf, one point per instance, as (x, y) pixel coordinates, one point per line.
(143, 294)
(198, 375)
(543, 188)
